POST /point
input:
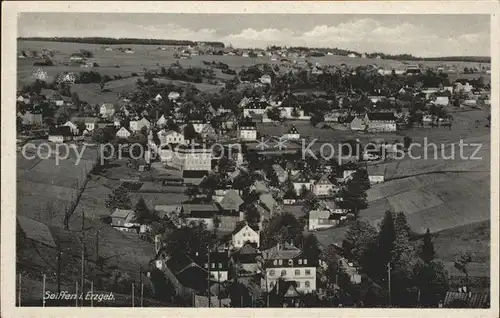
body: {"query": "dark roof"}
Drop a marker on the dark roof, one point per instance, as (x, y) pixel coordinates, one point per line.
(60, 131)
(231, 201)
(36, 231)
(293, 130)
(194, 173)
(381, 116)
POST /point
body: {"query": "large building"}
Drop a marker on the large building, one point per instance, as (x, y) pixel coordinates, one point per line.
(191, 157)
(287, 262)
(380, 122)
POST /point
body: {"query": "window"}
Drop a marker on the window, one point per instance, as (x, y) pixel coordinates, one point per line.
(280, 262)
(308, 272)
(213, 265)
(206, 265)
(305, 262)
(297, 272)
(272, 272)
(275, 262)
(300, 261)
(283, 272)
(298, 284)
(307, 284)
(220, 265)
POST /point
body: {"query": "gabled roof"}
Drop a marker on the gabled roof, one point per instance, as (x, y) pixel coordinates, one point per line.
(285, 251)
(319, 214)
(122, 129)
(300, 178)
(324, 180)
(36, 231)
(381, 116)
(267, 200)
(293, 130)
(60, 131)
(194, 173)
(231, 200)
(190, 207)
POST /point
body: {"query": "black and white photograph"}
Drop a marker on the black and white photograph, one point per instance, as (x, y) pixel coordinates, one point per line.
(253, 160)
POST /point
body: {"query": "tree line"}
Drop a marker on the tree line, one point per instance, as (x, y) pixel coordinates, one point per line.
(111, 41)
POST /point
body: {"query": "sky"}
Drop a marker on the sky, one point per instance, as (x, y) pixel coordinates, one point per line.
(420, 35)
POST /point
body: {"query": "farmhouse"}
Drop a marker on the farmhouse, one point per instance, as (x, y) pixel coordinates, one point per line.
(137, 125)
(320, 219)
(287, 262)
(380, 122)
(323, 187)
(244, 235)
(255, 107)
(247, 132)
(376, 173)
(124, 220)
(170, 137)
(60, 134)
(123, 133)
(358, 123)
(32, 119)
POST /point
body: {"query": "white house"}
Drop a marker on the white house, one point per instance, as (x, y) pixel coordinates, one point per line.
(170, 137)
(352, 55)
(73, 128)
(158, 98)
(137, 125)
(323, 186)
(107, 110)
(380, 122)
(376, 173)
(320, 219)
(192, 158)
(244, 235)
(357, 123)
(247, 132)
(292, 133)
(442, 100)
(161, 121)
(123, 133)
(287, 262)
(300, 181)
(280, 172)
(60, 134)
(265, 79)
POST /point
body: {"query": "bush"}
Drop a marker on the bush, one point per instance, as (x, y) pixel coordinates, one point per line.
(46, 62)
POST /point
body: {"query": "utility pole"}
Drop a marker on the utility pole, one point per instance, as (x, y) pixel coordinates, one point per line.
(97, 247)
(208, 280)
(133, 295)
(43, 294)
(389, 281)
(83, 254)
(142, 295)
(20, 288)
(92, 294)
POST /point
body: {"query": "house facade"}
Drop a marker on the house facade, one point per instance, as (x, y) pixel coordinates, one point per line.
(193, 157)
(380, 122)
(320, 219)
(123, 133)
(107, 110)
(137, 125)
(292, 134)
(323, 187)
(170, 137)
(247, 132)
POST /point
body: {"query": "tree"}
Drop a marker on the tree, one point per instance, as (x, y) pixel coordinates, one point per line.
(75, 99)
(407, 142)
(252, 215)
(310, 248)
(295, 112)
(359, 238)
(427, 252)
(386, 238)
(274, 113)
(282, 228)
(461, 262)
(142, 212)
(192, 192)
(431, 279)
(118, 199)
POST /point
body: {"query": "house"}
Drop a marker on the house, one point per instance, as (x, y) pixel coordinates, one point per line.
(124, 220)
(107, 110)
(287, 262)
(246, 257)
(60, 134)
(32, 119)
(123, 133)
(285, 294)
(218, 266)
(352, 55)
(292, 133)
(332, 116)
(167, 210)
(231, 201)
(380, 122)
(89, 122)
(358, 123)
(245, 235)
(137, 125)
(173, 96)
(300, 182)
(32, 231)
(158, 98)
(170, 137)
(266, 79)
(268, 202)
(323, 187)
(280, 173)
(197, 212)
(192, 157)
(460, 299)
(321, 219)
(259, 187)
(228, 121)
(442, 100)
(162, 121)
(255, 107)
(247, 131)
(208, 132)
(72, 127)
(193, 177)
(376, 173)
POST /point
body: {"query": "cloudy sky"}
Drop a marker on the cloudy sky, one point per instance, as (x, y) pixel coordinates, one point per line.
(420, 35)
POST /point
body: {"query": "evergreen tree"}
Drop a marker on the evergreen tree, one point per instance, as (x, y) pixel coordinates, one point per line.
(359, 238)
(427, 252)
(310, 248)
(142, 213)
(386, 239)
